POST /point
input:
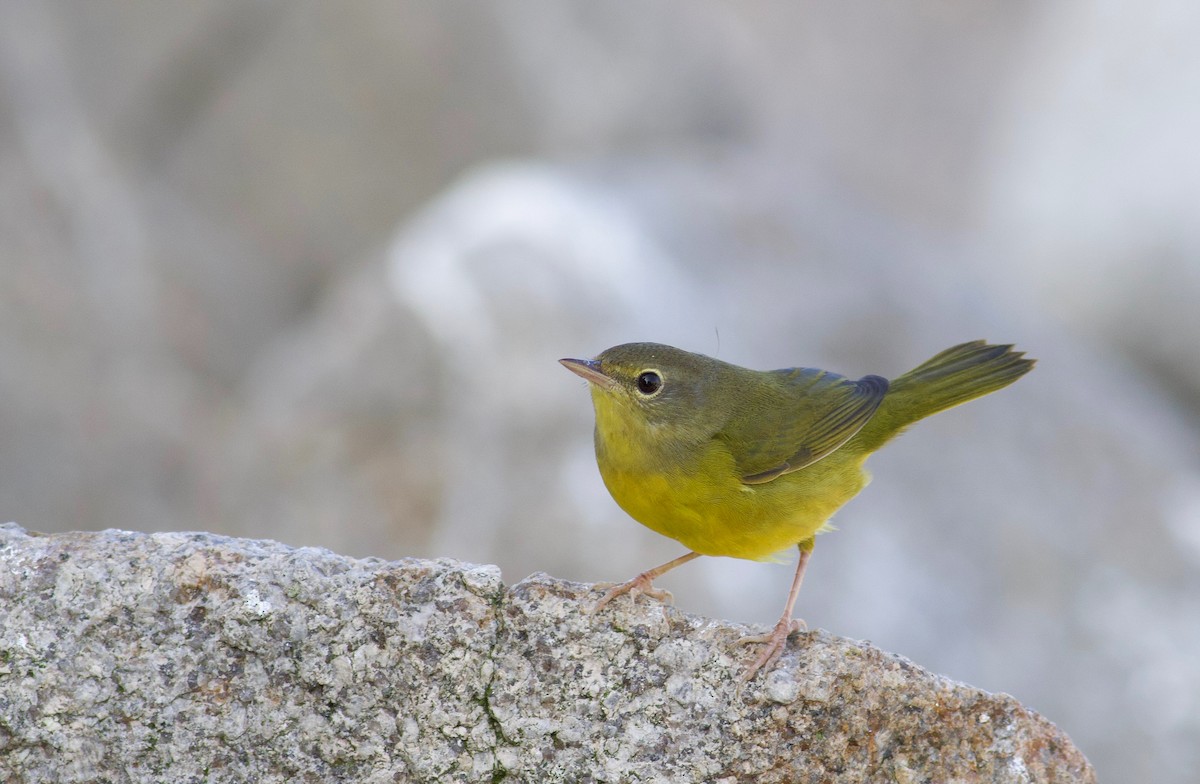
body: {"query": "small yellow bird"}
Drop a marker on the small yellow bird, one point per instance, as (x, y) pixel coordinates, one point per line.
(746, 463)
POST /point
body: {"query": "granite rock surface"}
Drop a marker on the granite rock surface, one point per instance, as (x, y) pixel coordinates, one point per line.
(194, 657)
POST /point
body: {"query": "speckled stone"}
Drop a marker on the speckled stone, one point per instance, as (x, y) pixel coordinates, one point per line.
(198, 658)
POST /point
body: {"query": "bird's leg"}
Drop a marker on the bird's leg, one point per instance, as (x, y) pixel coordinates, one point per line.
(643, 583)
(776, 641)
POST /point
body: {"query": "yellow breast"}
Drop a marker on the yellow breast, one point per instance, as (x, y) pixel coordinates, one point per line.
(698, 499)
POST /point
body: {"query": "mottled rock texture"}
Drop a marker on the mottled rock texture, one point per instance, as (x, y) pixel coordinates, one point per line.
(192, 657)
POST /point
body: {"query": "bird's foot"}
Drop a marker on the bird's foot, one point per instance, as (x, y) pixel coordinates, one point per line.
(776, 643)
(642, 584)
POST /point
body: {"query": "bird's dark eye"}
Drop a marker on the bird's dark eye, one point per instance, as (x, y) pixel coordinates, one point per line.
(649, 382)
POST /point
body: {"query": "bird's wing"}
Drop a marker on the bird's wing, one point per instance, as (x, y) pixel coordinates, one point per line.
(809, 414)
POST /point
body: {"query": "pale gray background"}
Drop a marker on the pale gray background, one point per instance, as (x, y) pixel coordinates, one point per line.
(302, 271)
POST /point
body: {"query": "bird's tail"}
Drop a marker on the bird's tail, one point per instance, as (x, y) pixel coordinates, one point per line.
(956, 375)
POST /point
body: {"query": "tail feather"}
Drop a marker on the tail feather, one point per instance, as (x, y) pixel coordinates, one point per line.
(954, 376)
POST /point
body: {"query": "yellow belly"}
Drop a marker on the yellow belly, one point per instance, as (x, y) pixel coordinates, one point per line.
(709, 510)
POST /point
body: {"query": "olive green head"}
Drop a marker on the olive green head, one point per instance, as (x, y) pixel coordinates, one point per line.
(654, 384)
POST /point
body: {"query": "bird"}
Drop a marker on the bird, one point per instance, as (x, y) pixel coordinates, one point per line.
(744, 463)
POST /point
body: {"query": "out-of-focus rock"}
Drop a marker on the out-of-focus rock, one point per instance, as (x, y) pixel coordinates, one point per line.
(137, 657)
(1091, 199)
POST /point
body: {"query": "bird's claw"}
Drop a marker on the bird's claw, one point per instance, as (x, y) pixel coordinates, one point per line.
(642, 584)
(776, 643)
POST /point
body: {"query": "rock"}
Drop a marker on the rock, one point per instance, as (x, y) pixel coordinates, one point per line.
(189, 657)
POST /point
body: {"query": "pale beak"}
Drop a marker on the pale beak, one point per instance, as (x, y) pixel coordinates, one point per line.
(589, 370)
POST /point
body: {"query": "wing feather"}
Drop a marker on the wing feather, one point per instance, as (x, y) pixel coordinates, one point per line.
(805, 415)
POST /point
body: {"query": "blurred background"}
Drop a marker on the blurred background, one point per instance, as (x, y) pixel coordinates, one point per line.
(302, 270)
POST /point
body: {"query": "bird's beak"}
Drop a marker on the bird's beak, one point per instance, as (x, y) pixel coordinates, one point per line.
(589, 370)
